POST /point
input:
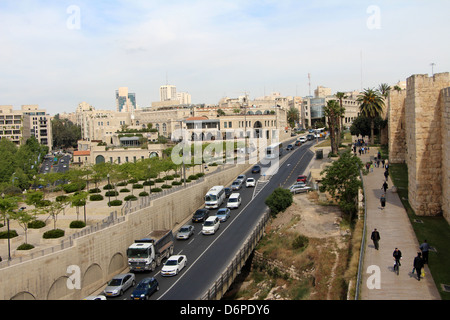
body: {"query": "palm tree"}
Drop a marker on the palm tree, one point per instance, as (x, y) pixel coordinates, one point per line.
(384, 90)
(371, 106)
(341, 96)
(333, 113)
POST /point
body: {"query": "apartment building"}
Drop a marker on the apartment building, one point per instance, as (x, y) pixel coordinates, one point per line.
(125, 101)
(30, 120)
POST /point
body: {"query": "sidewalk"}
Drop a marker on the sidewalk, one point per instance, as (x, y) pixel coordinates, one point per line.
(395, 230)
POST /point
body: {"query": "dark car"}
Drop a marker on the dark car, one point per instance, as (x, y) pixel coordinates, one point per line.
(310, 137)
(228, 191)
(256, 169)
(200, 215)
(301, 178)
(145, 289)
(298, 143)
(290, 147)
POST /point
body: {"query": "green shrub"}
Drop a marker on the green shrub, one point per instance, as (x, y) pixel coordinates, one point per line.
(176, 175)
(12, 234)
(130, 197)
(25, 246)
(122, 184)
(74, 186)
(300, 242)
(279, 200)
(111, 193)
(149, 183)
(159, 180)
(115, 203)
(169, 177)
(108, 187)
(137, 186)
(143, 194)
(200, 174)
(156, 189)
(166, 186)
(124, 190)
(36, 224)
(96, 197)
(193, 177)
(61, 198)
(133, 180)
(52, 234)
(176, 183)
(95, 190)
(77, 224)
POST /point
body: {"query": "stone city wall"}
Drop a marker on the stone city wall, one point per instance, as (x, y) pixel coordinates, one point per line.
(423, 114)
(445, 131)
(396, 126)
(102, 254)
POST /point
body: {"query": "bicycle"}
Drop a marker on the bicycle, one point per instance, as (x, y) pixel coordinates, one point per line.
(397, 265)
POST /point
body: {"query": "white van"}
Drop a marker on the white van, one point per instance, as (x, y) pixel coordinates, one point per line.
(234, 201)
(211, 225)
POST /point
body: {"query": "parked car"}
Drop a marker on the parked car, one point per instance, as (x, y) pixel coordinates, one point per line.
(228, 191)
(145, 289)
(299, 187)
(251, 182)
(223, 214)
(185, 232)
(290, 147)
(211, 225)
(174, 265)
(256, 169)
(200, 215)
(119, 284)
(236, 185)
(301, 178)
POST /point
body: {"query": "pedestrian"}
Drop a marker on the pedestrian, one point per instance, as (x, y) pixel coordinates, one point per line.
(382, 162)
(418, 265)
(371, 167)
(383, 201)
(386, 174)
(379, 155)
(378, 162)
(375, 238)
(384, 187)
(425, 247)
(397, 254)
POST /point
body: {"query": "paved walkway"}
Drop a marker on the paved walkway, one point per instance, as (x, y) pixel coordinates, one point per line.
(395, 231)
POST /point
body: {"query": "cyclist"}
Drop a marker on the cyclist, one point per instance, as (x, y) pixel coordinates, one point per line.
(397, 254)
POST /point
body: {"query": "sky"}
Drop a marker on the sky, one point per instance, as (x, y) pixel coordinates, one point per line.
(58, 53)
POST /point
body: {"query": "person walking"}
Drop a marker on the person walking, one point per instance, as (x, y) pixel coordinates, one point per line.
(384, 187)
(418, 265)
(383, 201)
(386, 174)
(375, 238)
(424, 248)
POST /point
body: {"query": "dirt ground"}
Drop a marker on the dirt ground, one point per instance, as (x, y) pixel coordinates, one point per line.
(315, 220)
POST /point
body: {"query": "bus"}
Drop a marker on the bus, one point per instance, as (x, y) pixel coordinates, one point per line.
(274, 151)
(320, 132)
(215, 197)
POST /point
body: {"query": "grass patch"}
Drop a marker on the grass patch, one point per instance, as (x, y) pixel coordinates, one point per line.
(435, 230)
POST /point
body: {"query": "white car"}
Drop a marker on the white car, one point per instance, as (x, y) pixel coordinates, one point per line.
(250, 182)
(302, 139)
(211, 225)
(174, 265)
(299, 187)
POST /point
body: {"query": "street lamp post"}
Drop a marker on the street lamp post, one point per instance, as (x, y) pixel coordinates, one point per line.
(9, 235)
(109, 194)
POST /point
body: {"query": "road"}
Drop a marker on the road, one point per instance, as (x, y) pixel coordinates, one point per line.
(209, 255)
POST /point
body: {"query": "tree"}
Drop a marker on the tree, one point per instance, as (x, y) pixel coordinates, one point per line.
(279, 200)
(65, 133)
(341, 96)
(371, 106)
(292, 116)
(333, 113)
(384, 90)
(341, 180)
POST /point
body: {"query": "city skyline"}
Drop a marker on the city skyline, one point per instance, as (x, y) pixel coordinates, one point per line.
(59, 54)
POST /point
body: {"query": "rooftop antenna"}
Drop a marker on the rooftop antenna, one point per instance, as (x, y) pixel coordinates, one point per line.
(432, 68)
(309, 83)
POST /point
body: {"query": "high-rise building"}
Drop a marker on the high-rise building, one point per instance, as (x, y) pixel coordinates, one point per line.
(167, 93)
(125, 101)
